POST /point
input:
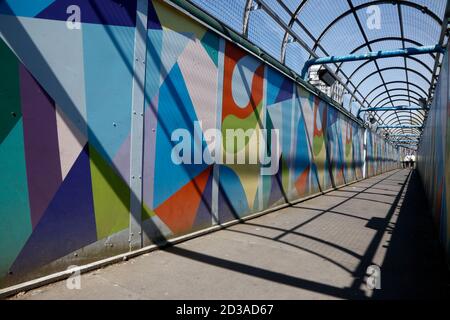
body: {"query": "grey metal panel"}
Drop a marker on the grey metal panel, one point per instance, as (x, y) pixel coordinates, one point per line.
(137, 126)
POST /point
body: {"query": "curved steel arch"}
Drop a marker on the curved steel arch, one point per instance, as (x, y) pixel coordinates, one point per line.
(401, 117)
(246, 16)
(411, 114)
(369, 61)
(392, 68)
(396, 112)
(392, 90)
(397, 100)
(294, 17)
(414, 5)
(396, 131)
(388, 119)
(393, 82)
(396, 96)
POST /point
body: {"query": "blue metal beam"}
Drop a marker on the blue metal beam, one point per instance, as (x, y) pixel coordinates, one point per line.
(406, 146)
(371, 56)
(405, 135)
(406, 141)
(398, 108)
(400, 127)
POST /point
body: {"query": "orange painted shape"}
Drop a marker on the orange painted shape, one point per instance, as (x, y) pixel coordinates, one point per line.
(232, 56)
(179, 211)
(301, 182)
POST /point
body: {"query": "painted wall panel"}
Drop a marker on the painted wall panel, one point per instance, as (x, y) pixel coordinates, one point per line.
(65, 134)
(433, 157)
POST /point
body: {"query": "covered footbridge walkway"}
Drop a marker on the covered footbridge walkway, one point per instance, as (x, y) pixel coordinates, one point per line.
(235, 149)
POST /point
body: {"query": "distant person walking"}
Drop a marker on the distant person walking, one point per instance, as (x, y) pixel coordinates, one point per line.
(412, 162)
(406, 161)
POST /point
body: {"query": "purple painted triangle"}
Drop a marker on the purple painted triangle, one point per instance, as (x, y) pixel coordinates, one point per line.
(108, 12)
(276, 191)
(152, 20)
(41, 144)
(227, 212)
(285, 92)
(204, 214)
(68, 223)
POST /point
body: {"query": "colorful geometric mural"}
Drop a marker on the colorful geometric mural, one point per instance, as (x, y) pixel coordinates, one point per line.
(433, 158)
(66, 110)
(381, 156)
(181, 88)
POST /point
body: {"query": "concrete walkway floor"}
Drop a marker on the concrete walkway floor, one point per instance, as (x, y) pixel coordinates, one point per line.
(317, 249)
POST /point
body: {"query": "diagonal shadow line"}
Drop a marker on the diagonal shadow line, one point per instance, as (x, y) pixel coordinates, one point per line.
(312, 161)
(296, 247)
(376, 240)
(333, 212)
(370, 193)
(352, 253)
(273, 276)
(329, 209)
(358, 198)
(262, 126)
(375, 191)
(339, 165)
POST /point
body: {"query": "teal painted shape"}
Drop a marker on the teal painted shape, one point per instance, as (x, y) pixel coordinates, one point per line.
(266, 190)
(301, 155)
(173, 45)
(15, 226)
(24, 8)
(153, 66)
(285, 131)
(210, 42)
(108, 65)
(274, 83)
(232, 200)
(175, 111)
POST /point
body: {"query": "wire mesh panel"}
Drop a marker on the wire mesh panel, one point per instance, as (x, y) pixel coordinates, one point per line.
(230, 12)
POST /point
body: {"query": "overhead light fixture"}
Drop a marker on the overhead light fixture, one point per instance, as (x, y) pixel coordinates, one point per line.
(423, 102)
(326, 76)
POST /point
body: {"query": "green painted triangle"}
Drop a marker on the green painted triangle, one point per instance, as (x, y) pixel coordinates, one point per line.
(111, 197)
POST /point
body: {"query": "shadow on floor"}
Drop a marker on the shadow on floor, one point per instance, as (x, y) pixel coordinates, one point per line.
(326, 243)
(414, 266)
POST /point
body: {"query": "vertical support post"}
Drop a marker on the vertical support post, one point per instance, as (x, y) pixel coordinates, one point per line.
(245, 18)
(293, 138)
(218, 147)
(364, 170)
(263, 117)
(137, 126)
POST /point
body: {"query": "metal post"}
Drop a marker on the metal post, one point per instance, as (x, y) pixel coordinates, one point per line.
(137, 126)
